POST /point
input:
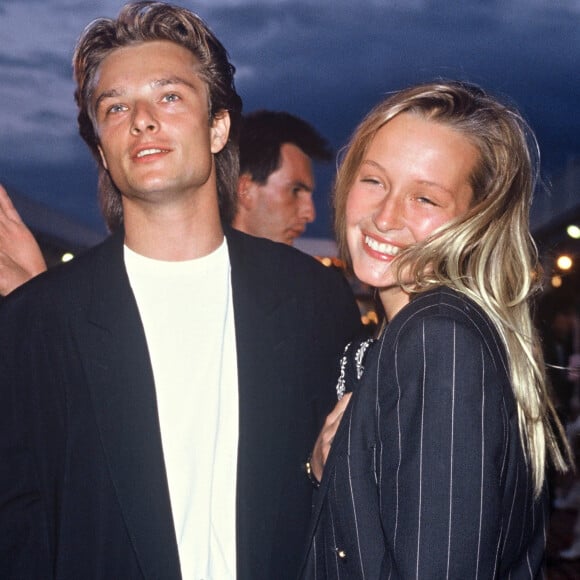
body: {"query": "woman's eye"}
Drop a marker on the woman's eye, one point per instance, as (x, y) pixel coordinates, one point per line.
(171, 98)
(425, 200)
(370, 180)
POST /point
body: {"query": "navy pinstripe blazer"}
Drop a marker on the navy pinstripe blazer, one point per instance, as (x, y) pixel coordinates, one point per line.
(427, 477)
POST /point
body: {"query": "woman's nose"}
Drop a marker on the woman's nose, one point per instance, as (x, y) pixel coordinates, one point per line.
(388, 214)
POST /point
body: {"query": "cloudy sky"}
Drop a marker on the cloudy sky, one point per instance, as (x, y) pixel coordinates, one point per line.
(328, 61)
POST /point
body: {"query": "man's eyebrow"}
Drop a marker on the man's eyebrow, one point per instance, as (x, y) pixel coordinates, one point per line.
(302, 185)
(172, 81)
(113, 93)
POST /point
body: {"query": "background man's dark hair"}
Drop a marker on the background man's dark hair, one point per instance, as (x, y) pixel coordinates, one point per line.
(147, 21)
(264, 132)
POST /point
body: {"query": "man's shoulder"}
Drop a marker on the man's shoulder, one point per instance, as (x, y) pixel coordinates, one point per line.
(267, 268)
(261, 253)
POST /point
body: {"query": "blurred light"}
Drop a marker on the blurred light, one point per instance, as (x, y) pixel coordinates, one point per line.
(329, 261)
(556, 281)
(66, 257)
(564, 262)
(573, 231)
(370, 317)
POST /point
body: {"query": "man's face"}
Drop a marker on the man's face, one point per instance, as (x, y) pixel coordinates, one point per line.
(152, 121)
(280, 208)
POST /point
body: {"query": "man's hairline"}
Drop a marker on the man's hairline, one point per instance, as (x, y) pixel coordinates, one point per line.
(92, 108)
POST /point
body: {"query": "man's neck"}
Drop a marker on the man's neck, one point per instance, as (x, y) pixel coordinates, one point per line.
(239, 223)
(172, 233)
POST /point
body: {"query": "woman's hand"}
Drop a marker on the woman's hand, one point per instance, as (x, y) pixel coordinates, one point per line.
(324, 440)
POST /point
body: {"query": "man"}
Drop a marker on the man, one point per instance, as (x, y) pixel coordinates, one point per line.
(276, 182)
(159, 393)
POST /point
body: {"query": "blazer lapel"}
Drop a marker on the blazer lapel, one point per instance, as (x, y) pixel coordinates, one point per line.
(122, 389)
(264, 317)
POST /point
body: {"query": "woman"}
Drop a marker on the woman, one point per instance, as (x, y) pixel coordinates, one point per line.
(437, 469)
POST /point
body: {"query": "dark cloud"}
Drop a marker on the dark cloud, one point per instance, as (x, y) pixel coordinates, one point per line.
(47, 117)
(329, 62)
(67, 187)
(22, 66)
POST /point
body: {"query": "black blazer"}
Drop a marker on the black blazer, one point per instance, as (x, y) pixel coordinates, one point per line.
(426, 477)
(83, 490)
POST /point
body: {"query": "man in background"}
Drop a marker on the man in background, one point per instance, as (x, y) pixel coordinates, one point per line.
(276, 180)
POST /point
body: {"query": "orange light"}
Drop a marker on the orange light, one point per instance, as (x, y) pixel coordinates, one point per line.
(564, 262)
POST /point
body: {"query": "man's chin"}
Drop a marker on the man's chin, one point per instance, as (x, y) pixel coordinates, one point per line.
(293, 236)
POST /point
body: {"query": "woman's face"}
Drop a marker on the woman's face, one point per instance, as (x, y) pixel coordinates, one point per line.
(413, 179)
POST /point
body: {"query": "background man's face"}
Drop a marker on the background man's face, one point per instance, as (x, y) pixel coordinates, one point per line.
(283, 206)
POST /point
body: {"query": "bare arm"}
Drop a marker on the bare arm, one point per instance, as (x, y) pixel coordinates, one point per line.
(20, 256)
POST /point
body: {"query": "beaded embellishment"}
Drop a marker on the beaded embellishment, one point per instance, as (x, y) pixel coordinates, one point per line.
(358, 360)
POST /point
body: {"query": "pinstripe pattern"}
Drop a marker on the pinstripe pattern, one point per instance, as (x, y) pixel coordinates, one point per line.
(399, 435)
(354, 507)
(334, 554)
(482, 462)
(423, 379)
(451, 454)
(428, 477)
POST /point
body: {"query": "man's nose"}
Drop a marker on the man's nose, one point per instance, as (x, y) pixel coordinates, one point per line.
(144, 119)
(307, 208)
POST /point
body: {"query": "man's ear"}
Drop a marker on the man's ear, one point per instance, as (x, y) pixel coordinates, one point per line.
(246, 191)
(220, 130)
(104, 161)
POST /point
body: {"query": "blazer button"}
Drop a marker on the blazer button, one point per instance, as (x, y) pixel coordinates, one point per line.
(341, 553)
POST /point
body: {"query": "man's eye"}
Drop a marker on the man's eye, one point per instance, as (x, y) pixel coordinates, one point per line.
(116, 108)
(171, 98)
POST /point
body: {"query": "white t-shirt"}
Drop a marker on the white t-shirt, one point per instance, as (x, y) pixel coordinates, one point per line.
(187, 313)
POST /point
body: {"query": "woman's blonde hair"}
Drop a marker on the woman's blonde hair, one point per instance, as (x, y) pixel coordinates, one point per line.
(487, 254)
